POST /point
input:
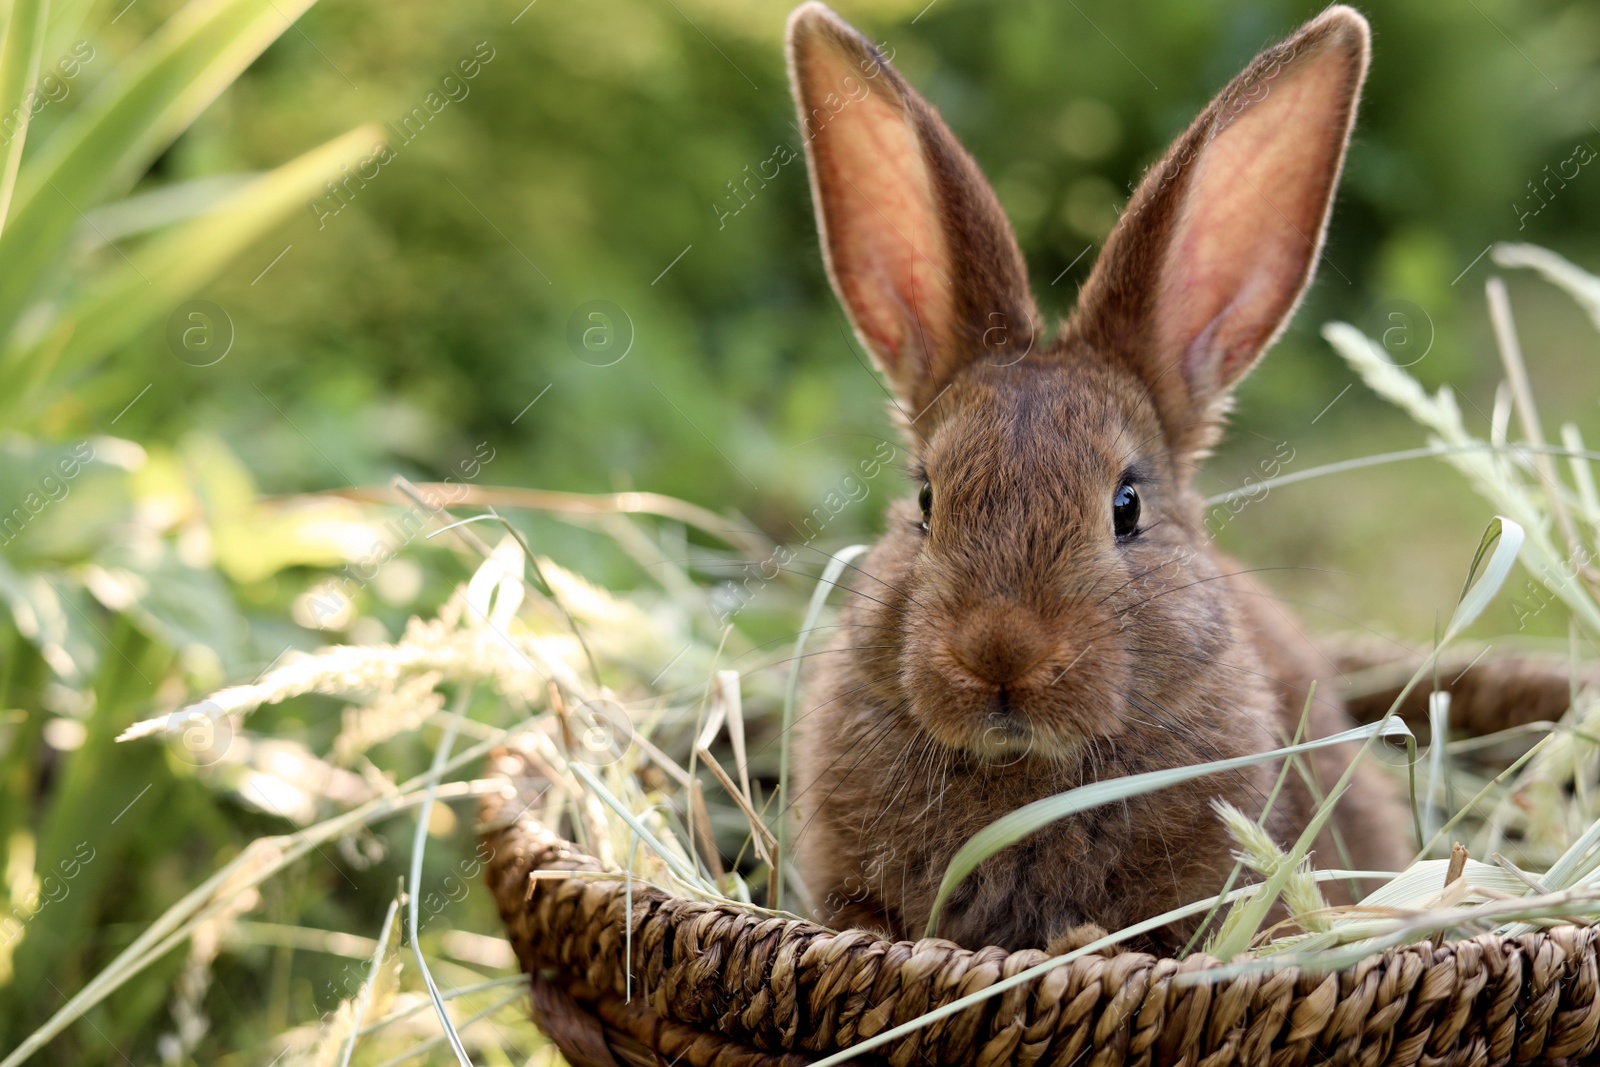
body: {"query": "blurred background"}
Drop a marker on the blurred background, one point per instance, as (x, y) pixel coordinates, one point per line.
(597, 148)
(429, 316)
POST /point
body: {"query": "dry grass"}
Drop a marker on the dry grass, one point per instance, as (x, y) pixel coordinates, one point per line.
(660, 733)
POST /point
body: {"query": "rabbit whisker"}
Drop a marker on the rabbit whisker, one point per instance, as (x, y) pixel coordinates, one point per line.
(1210, 578)
(877, 680)
(865, 574)
(878, 732)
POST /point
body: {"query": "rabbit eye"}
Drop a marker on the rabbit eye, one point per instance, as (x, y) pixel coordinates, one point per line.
(1125, 511)
(925, 502)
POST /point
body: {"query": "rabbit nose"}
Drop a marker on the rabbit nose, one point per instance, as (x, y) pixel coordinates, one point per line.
(999, 646)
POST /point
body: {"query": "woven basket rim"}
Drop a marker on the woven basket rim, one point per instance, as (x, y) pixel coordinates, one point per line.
(707, 983)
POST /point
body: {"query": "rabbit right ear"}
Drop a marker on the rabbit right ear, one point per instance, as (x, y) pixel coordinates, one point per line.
(1221, 238)
(916, 244)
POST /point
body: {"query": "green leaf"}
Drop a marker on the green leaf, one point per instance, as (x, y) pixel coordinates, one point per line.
(1506, 537)
(169, 601)
(51, 611)
(1438, 762)
(19, 74)
(156, 209)
(672, 859)
(66, 22)
(1029, 819)
(129, 120)
(139, 291)
(1424, 880)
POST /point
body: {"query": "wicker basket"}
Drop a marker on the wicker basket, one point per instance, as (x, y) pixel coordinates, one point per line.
(713, 986)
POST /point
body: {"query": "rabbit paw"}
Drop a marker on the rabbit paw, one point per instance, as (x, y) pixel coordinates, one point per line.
(1077, 937)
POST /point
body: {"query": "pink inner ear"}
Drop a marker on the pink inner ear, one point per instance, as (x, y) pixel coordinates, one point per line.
(1251, 226)
(887, 248)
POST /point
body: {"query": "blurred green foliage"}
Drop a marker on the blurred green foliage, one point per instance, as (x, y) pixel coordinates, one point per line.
(409, 318)
(600, 141)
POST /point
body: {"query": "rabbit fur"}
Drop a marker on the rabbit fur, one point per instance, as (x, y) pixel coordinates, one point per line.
(1012, 640)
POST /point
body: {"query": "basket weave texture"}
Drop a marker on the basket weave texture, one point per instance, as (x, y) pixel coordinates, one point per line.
(714, 986)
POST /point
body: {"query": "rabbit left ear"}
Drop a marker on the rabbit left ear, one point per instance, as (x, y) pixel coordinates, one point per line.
(915, 242)
(1221, 238)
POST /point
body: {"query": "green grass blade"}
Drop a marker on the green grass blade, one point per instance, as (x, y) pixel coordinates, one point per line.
(1424, 880)
(375, 974)
(419, 843)
(669, 857)
(1029, 819)
(260, 860)
(1438, 762)
(1320, 958)
(1266, 811)
(1506, 537)
(19, 74)
(136, 292)
(1576, 863)
(402, 1014)
(1433, 451)
(432, 1043)
(154, 210)
(66, 23)
(1471, 805)
(102, 148)
(819, 597)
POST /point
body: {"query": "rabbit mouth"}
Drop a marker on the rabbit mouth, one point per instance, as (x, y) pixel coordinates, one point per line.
(1004, 702)
(1005, 739)
(999, 731)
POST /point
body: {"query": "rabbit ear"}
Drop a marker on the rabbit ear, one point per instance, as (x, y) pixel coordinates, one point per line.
(1220, 239)
(915, 242)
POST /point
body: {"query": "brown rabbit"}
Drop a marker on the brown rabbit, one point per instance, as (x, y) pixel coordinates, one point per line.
(1049, 611)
